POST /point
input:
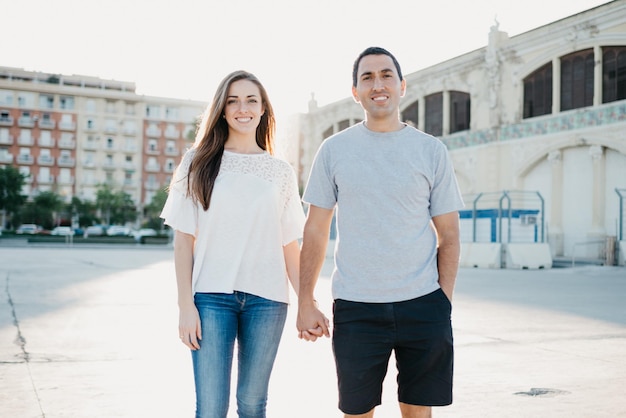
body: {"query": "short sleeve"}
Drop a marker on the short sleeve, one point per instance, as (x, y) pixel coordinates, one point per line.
(293, 216)
(180, 212)
(321, 190)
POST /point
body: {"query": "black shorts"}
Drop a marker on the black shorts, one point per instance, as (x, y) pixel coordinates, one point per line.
(420, 333)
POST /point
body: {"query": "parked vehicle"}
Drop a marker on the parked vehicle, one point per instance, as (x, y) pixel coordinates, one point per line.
(29, 229)
(62, 230)
(94, 230)
(118, 230)
(144, 232)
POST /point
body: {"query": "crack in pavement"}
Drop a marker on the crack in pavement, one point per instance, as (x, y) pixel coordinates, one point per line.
(21, 341)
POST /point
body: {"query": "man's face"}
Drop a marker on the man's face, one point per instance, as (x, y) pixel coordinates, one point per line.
(378, 88)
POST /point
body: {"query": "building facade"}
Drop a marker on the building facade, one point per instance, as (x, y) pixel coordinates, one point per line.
(535, 125)
(71, 134)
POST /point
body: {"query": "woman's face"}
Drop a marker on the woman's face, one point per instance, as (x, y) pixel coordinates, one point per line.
(244, 107)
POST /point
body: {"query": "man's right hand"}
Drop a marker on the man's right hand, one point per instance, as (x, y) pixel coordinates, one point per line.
(312, 323)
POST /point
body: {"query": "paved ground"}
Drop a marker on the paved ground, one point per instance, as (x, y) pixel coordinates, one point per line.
(92, 333)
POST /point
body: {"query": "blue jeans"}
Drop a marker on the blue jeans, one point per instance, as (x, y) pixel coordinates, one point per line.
(257, 325)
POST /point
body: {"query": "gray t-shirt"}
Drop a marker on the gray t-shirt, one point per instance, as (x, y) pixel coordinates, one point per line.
(386, 188)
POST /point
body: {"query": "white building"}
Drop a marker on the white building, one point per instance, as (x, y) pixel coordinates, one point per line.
(536, 127)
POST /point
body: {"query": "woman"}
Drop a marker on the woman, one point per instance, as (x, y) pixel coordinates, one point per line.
(237, 217)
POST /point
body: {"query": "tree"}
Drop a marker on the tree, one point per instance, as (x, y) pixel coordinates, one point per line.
(153, 209)
(42, 210)
(116, 207)
(11, 183)
(84, 210)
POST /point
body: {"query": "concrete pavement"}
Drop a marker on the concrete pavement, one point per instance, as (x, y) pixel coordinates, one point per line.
(90, 332)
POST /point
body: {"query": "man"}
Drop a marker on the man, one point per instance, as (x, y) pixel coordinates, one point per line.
(397, 249)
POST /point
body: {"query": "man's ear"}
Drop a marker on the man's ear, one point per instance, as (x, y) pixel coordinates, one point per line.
(355, 96)
(403, 87)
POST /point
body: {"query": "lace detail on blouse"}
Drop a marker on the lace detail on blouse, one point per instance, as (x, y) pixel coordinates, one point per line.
(264, 166)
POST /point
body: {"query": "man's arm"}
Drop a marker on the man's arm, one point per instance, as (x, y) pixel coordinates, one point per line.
(313, 253)
(449, 250)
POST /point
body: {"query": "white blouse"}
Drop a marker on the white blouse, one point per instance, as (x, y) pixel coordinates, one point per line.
(255, 210)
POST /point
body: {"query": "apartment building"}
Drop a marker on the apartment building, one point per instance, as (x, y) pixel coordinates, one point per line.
(71, 133)
(536, 128)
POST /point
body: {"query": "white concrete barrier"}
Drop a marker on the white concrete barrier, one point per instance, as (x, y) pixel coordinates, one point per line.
(621, 254)
(527, 256)
(481, 255)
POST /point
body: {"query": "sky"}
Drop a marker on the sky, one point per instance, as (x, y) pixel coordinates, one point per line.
(183, 48)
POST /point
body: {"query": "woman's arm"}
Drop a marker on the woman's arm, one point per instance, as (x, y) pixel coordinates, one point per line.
(292, 263)
(189, 320)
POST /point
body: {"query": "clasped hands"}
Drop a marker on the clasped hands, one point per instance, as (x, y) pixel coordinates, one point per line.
(311, 323)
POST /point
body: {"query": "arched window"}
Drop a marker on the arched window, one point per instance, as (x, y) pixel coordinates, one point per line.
(577, 80)
(459, 111)
(344, 124)
(434, 114)
(410, 115)
(613, 73)
(538, 92)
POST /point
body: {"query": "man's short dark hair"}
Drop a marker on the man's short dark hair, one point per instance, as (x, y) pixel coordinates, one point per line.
(373, 50)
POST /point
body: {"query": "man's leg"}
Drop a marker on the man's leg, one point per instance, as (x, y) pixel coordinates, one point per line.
(415, 411)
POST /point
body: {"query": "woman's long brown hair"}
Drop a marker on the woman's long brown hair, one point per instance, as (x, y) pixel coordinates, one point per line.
(212, 134)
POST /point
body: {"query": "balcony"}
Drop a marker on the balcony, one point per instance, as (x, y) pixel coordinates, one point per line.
(89, 164)
(90, 145)
(25, 141)
(67, 143)
(65, 181)
(172, 133)
(47, 124)
(6, 121)
(45, 160)
(6, 140)
(67, 126)
(129, 167)
(25, 159)
(46, 142)
(6, 159)
(151, 185)
(153, 132)
(66, 162)
(109, 166)
(110, 129)
(26, 122)
(43, 179)
(153, 168)
(152, 150)
(130, 131)
(171, 151)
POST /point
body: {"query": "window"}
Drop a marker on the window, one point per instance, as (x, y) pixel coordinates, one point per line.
(153, 111)
(110, 106)
(459, 111)
(46, 101)
(344, 124)
(110, 143)
(434, 114)
(26, 99)
(577, 80)
(613, 73)
(410, 115)
(66, 102)
(171, 113)
(6, 97)
(538, 92)
(90, 105)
